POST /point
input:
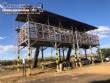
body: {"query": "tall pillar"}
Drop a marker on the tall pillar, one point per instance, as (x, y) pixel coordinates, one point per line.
(59, 54)
(68, 54)
(75, 59)
(85, 52)
(92, 57)
(100, 54)
(29, 61)
(36, 57)
(79, 59)
(57, 58)
(51, 54)
(63, 54)
(18, 60)
(42, 58)
(77, 52)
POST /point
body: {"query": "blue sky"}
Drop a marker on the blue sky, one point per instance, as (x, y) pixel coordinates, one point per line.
(94, 12)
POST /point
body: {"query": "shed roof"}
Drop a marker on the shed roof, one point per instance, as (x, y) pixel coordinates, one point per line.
(54, 19)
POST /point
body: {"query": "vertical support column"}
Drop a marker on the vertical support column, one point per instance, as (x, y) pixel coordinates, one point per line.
(68, 54)
(35, 64)
(29, 48)
(18, 48)
(85, 52)
(63, 54)
(42, 58)
(51, 54)
(77, 52)
(75, 58)
(59, 54)
(100, 54)
(80, 62)
(29, 61)
(18, 60)
(74, 49)
(57, 57)
(92, 58)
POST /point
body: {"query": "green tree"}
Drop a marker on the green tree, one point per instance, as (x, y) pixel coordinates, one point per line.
(105, 52)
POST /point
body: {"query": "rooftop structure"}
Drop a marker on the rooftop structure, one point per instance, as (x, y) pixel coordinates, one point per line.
(48, 29)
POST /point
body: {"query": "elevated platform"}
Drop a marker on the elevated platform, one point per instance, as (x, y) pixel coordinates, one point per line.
(47, 35)
(48, 29)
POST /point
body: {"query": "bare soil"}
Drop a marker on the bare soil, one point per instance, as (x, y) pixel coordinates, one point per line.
(99, 73)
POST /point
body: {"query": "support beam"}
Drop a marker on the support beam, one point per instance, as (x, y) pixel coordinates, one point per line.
(18, 60)
(36, 57)
(63, 54)
(58, 62)
(59, 54)
(92, 57)
(68, 54)
(29, 61)
(85, 50)
(51, 54)
(77, 52)
(75, 56)
(100, 54)
(42, 58)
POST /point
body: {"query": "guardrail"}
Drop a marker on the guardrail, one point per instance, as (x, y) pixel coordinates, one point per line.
(49, 33)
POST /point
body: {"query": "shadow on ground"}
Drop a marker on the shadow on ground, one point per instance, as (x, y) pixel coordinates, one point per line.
(101, 81)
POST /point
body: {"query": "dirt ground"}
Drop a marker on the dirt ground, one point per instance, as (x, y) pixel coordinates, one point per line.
(99, 73)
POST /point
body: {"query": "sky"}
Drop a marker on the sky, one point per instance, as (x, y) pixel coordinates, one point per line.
(94, 12)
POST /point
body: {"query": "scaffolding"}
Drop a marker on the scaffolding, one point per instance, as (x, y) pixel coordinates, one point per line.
(62, 32)
(42, 33)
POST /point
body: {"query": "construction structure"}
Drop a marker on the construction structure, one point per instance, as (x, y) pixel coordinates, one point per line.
(48, 29)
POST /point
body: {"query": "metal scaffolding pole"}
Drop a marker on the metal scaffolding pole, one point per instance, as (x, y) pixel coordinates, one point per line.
(75, 58)
(74, 49)
(57, 57)
(18, 60)
(29, 48)
(18, 50)
(29, 61)
(77, 52)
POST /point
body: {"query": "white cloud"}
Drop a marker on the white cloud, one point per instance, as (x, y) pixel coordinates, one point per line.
(1, 6)
(1, 38)
(7, 48)
(102, 31)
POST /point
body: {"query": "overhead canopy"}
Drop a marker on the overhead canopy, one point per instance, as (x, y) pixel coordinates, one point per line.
(53, 19)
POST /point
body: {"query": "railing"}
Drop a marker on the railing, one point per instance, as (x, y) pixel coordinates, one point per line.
(43, 32)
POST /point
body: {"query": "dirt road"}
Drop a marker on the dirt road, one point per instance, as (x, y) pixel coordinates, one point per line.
(99, 73)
